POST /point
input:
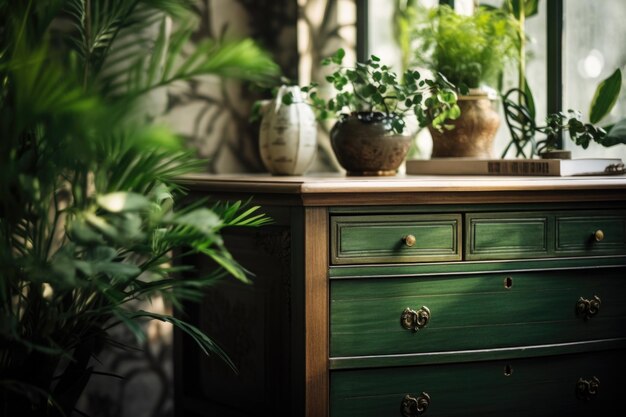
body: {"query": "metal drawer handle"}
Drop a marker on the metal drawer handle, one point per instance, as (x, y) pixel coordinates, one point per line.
(587, 389)
(588, 308)
(409, 240)
(415, 320)
(412, 407)
(598, 235)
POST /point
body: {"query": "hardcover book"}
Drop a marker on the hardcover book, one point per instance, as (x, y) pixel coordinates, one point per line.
(515, 167)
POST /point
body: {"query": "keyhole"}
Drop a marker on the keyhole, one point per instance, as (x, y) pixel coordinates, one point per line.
(508, 370)
(508, 282)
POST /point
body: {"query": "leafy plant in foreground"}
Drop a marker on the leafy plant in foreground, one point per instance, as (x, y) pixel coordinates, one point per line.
(89, 214)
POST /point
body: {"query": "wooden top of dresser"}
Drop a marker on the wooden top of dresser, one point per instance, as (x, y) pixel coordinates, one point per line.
(337, 189)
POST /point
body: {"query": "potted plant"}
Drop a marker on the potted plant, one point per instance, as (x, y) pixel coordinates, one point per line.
(471, 52)
(520, 118)
(371, 135)
(89, 214)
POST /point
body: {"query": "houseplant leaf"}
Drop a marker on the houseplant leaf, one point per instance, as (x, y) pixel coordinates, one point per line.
(617, 134)
(531, 7)
(605, 96)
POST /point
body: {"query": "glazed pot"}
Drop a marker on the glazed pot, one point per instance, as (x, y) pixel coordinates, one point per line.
(365, 144)
(474, 131)
(288, 134)
(556, 154)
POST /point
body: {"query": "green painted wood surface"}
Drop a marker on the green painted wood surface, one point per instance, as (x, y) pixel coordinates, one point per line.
(379, 238)
(515, 235)
(477, 267)
(508, 236)
(461, 356)
(535, 387)
(575, 233)
(473, 312)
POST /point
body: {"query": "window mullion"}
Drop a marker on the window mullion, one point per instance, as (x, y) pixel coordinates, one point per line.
(554, 27)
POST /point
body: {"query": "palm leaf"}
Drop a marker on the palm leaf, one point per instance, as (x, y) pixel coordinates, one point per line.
(202, 340)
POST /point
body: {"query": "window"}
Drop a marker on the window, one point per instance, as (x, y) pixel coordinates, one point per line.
(588, 43)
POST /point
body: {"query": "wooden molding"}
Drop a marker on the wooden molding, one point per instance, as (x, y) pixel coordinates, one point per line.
(325, 190)
(316, 306)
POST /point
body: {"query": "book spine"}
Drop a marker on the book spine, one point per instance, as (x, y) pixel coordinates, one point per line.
(511, 167)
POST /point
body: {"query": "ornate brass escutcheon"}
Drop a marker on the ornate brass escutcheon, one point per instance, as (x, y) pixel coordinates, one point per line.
(413, 407)
(587, 389)
(409, 240)
(415, 320)
(588, 308)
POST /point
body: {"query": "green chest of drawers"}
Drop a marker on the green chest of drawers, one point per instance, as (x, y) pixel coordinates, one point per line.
(417, 296)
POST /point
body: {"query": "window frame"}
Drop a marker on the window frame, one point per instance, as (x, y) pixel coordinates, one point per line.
(554, 46)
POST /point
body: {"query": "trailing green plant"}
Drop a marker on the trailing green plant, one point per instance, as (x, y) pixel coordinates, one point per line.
(90, 219)
(373, 91)
(523, 128)
(468, 50)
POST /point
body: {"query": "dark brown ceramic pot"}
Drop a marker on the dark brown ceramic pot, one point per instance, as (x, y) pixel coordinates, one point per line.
(474, 131)
(365, 144)
(556, 154)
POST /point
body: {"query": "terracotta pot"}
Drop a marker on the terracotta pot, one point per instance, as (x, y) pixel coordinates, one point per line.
(365, 144)
(474, 131)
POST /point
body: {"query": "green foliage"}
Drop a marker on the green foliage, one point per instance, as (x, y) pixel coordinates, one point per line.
(467, 50)
(520, 119)
(529, 7)
(581, 133)
(372, 87)
(89, 213)
(605, 97)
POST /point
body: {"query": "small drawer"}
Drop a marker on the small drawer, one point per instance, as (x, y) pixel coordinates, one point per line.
(507, 235)
(395, 238)
(391, 316)
(582, 233)
(589, 384)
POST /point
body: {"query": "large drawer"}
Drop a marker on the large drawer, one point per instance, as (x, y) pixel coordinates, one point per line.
(482, 311)
(362, 239)
(588, 384)
(517, 235)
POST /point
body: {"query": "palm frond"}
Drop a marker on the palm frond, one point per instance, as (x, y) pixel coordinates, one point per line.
(235, 59)
(207, 345)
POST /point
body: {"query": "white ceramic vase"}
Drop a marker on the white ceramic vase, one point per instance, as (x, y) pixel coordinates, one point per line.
(288, 134)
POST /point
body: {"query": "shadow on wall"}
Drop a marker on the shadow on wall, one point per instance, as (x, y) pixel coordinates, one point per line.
(213, 116)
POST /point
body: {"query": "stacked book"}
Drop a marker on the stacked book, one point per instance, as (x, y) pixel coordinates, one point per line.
(515, 167)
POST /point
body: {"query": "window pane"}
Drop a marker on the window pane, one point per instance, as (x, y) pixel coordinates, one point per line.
(593, 48)
(381, 42)
(536, 73)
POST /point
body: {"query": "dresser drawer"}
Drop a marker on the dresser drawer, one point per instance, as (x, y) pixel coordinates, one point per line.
(508, 235)
(468, 312)
(600, 233)
(517, 235)
(574, 385)
(362, 239)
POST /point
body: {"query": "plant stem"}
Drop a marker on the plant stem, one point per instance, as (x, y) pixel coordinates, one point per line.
(87, 23)
(522, 51)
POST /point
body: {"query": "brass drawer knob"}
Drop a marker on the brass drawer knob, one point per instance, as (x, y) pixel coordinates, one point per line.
(598, 235)
(409, 240)
(413, 407)
(587, 389)
(588, 308)
(415, 320)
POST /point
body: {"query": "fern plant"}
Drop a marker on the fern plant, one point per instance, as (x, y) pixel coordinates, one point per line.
(89, 218)
(468, 50)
